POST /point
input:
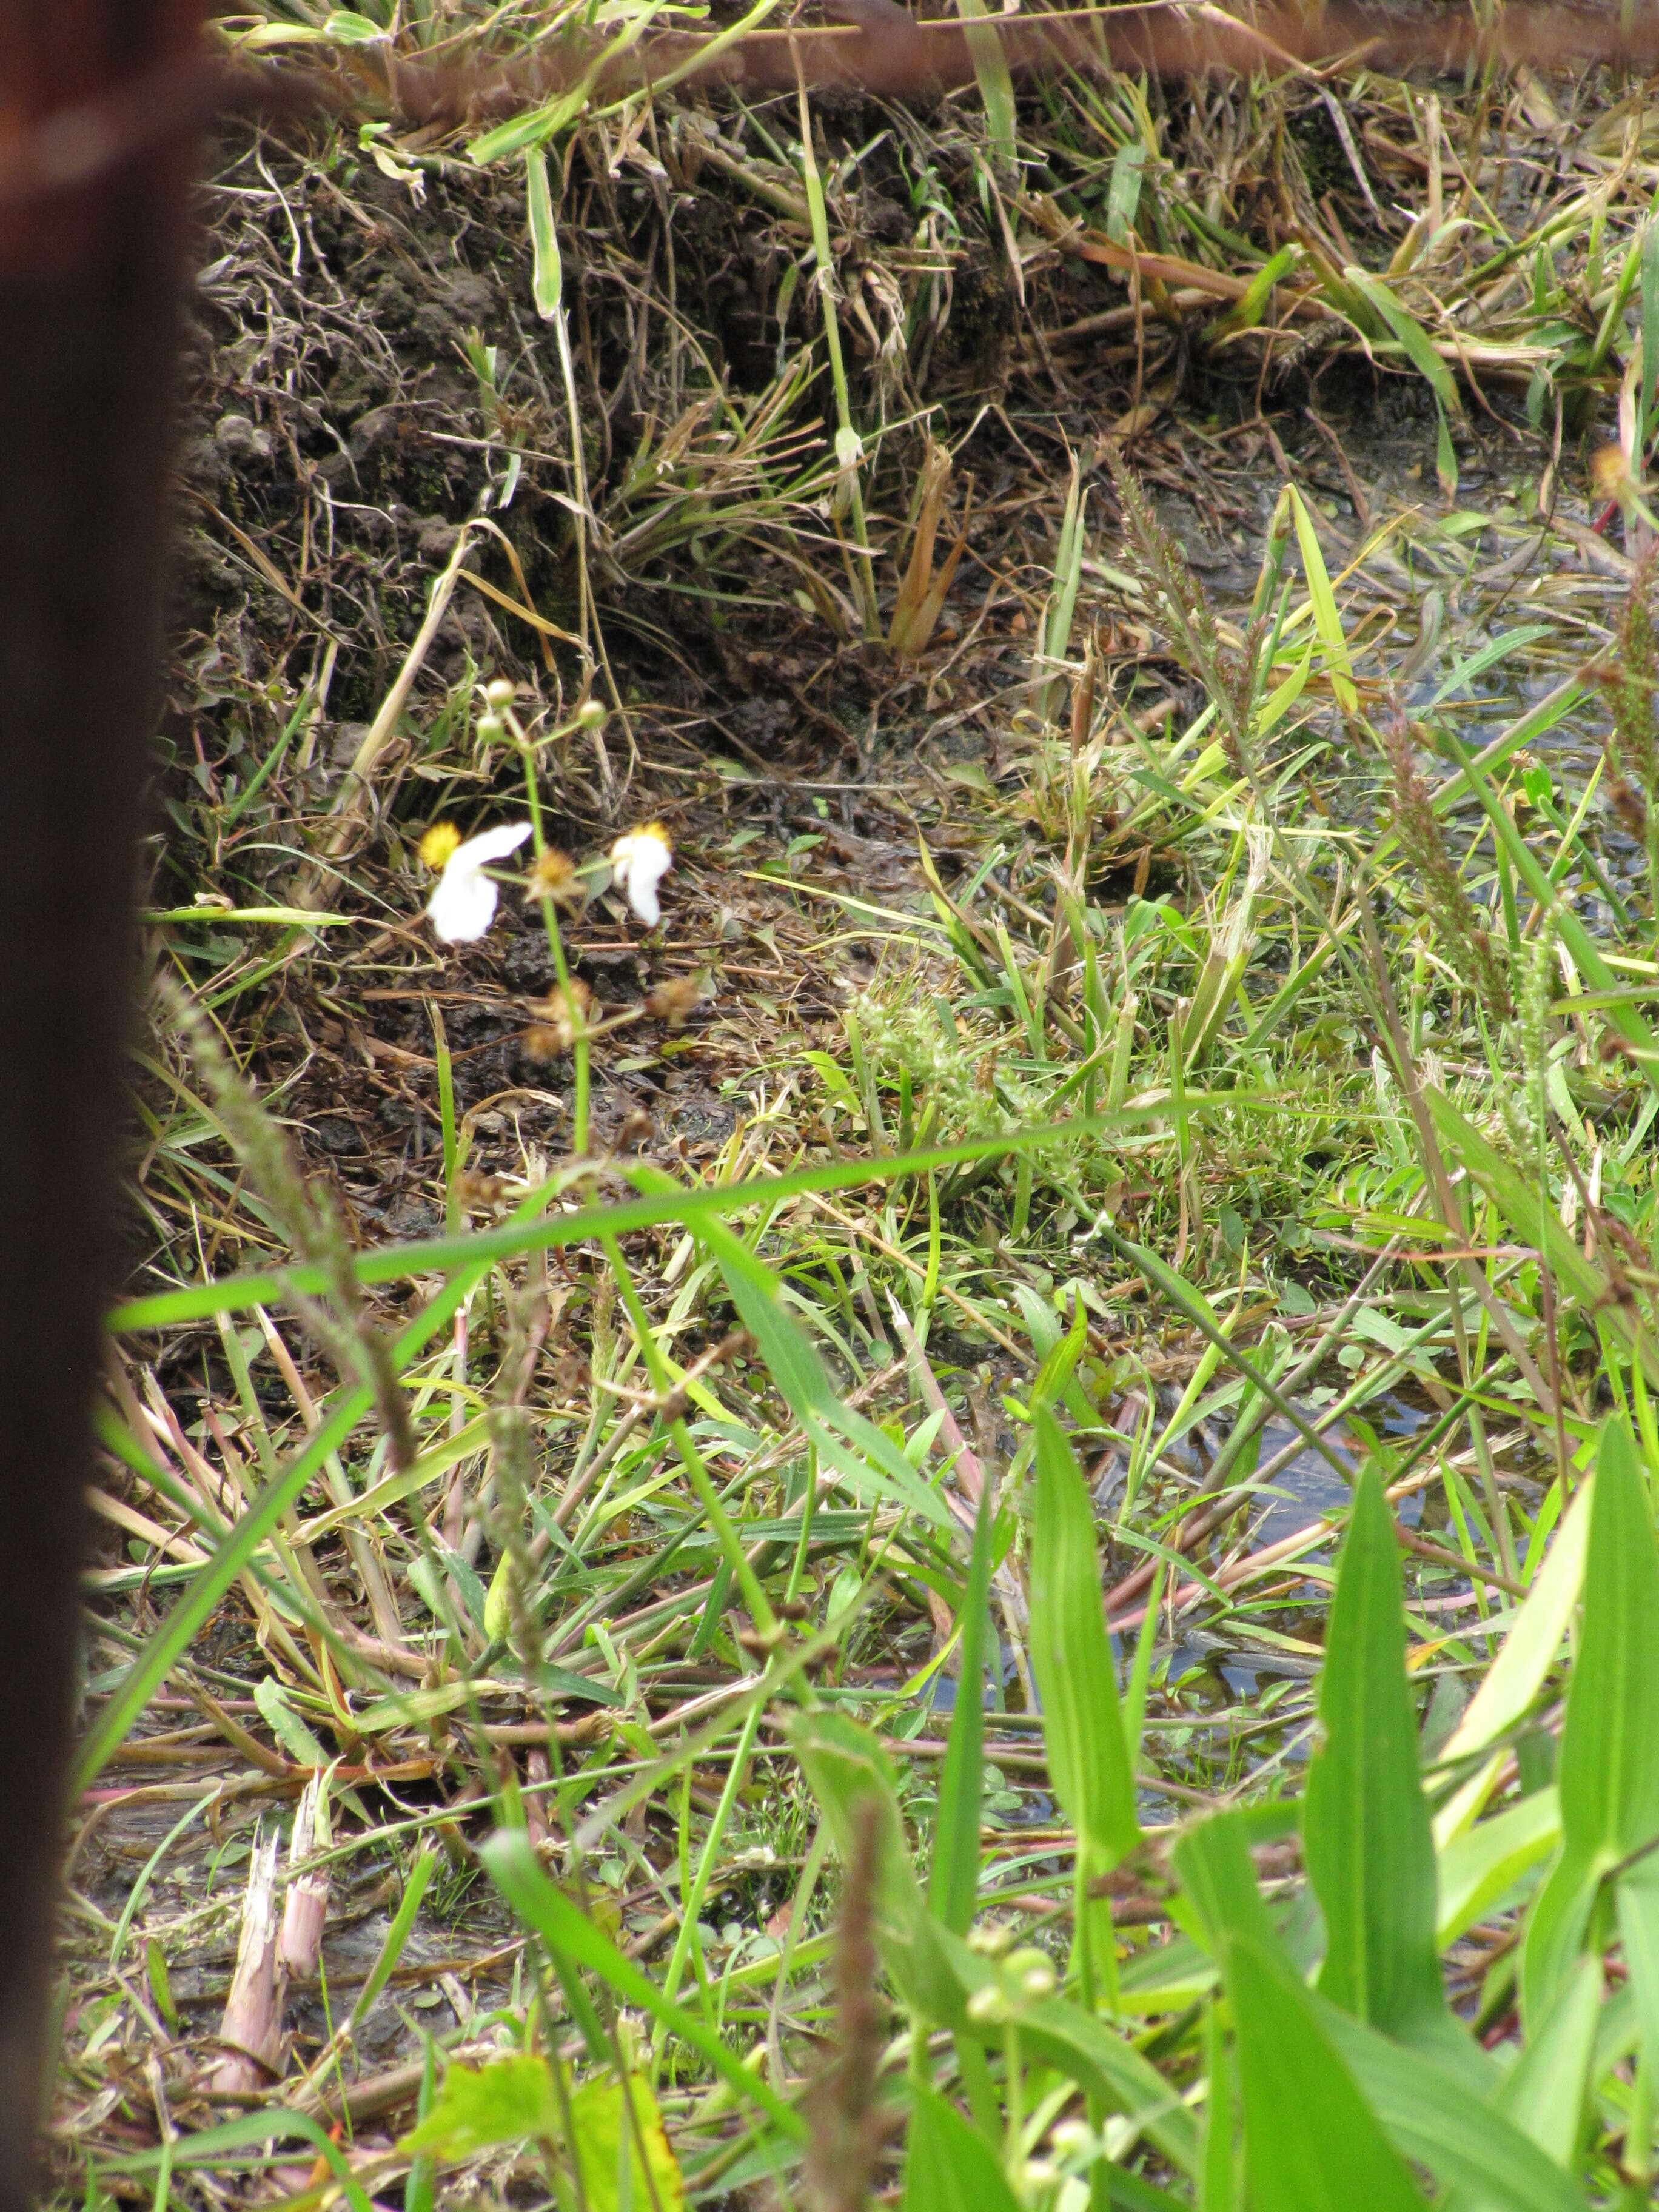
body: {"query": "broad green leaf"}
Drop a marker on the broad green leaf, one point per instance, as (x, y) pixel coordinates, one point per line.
(1311, 2142)
(1480, 1867)
(852, 1780)
(516, 2100)
(1544, 2091)
(1437, 2115)
(953, 1882)
(947, 2166)
(286, 1725)
(510, 1861)
(1071, 1666)
(1637, 1892)
(347, 28)
(1212, 1861)
(507, 2100)
(1365, 1829)
(598, 2124)
(996, 85)
(1608, 1774)
(1219, 2178)
(1123, 193)
(498, 1602)
(534, 127)
(1280, 699)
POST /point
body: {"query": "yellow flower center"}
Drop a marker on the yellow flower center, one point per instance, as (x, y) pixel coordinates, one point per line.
(439, 842)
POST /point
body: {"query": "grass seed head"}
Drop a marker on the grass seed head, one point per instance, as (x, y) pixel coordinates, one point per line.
(1417, 828)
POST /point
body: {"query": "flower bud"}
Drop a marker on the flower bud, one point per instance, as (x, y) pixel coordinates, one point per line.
(499, 691)
(1032, 1972)
(590, 715)
(990, 1940)
(987, 2007)
(489, 726)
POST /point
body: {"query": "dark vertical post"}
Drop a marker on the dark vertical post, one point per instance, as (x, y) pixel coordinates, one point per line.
(89, 249)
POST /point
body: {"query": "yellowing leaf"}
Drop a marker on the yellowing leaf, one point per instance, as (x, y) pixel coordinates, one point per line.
(598, 2119)
(516, 2100)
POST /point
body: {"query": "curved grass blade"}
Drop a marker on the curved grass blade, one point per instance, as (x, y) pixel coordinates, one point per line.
(532, 1229)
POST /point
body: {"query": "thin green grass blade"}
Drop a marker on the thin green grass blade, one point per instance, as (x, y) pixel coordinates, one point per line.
(1576, 937)
(953, 1883)
(397, 1936)
(176, 1633)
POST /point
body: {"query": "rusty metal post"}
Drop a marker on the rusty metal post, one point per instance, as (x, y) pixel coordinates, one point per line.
(94, 166)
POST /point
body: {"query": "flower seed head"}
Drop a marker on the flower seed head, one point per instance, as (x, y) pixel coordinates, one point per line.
(552, 875)
(673, 1001)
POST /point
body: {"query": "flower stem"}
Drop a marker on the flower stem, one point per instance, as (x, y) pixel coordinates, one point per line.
(579, 1050)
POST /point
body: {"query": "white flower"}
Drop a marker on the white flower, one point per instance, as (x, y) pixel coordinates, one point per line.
(463, 905)
(639, 861)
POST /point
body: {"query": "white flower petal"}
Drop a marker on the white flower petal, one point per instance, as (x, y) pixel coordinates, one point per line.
(463, 904)
(489, 845)
(639, 861)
